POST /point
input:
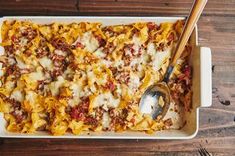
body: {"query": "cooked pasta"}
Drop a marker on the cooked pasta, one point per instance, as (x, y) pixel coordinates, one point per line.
(81, 77)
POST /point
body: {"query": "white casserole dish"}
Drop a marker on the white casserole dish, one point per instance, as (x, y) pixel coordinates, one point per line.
(202, 83)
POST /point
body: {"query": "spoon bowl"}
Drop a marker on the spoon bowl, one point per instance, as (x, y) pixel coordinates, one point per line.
(156, 100)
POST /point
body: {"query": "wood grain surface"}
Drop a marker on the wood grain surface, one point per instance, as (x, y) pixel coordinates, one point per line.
(217, 123)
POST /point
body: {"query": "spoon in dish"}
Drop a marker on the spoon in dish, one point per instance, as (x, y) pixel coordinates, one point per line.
(156, 99)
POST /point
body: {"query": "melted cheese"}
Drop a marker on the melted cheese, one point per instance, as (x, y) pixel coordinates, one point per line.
(11, 61)
(30, 97)
(85, 92)
(105, 120)
(118, 63)
(21, 64)
(23, 41)
(99, 53)
(159, 58)
(46, 63)
(107, 63)
(90, 42)
(36, 76)
(137, 44)
(60, 52)
(76, 90)
(151, 50)
(134, 82)
(135, 62)
(106, 100)
(17, 95)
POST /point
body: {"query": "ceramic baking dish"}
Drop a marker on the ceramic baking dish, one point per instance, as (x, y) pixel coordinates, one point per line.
(202, 83)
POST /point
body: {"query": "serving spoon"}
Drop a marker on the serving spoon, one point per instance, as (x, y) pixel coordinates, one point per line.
(156, 99)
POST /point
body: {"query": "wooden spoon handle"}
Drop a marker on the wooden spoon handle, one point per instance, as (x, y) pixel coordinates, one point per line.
(195, 13)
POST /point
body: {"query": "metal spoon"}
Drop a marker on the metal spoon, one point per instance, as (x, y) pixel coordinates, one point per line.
(156, 99)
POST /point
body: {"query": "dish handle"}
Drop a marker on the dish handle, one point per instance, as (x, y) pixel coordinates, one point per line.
(205, 77)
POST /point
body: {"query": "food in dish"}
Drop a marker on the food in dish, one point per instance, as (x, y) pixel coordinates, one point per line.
(82, 77)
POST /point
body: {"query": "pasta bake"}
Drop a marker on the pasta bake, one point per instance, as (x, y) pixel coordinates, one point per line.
(81, 77)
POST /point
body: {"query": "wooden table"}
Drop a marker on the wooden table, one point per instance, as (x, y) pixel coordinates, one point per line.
(217, 123)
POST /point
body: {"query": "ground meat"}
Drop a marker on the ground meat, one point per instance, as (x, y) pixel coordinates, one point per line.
(110, 86)
(56, 72)
(152, 26)
(99, 113)
(128, 50)
(123, 77)
(15, 39)
(117, 118)
(41, 52)
(124, 113)
(91, 121)
(185, 77)
(10, 69)
(113, 112)
(130, 53)
(79, 112)
(73, 65)
(58, 60)
(60, 65)
(108, 48)
(181, 88)
(101, 41)
(114, 71)
(19, 115)
(9, 49)
(60, 44)
(109, 32)
(15, 104)
(29, 33)
(13, 70)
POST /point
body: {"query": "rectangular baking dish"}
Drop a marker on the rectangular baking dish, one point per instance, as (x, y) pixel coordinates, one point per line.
(202, 83)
